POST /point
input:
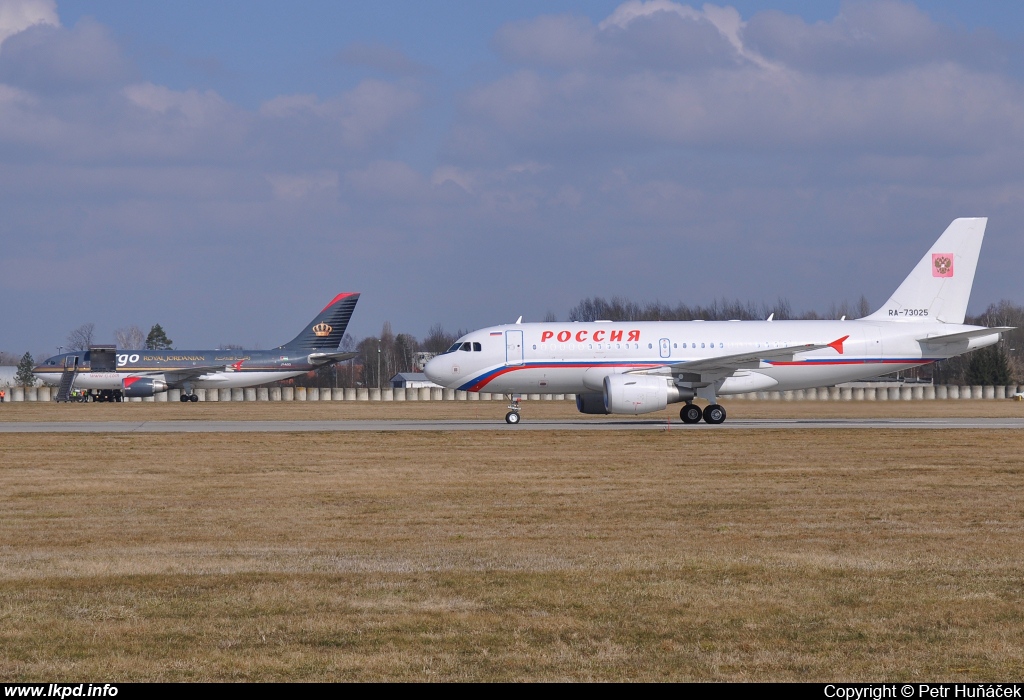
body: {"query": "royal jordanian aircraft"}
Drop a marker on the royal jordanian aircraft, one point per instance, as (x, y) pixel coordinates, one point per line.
(149, 372)
(640, 367)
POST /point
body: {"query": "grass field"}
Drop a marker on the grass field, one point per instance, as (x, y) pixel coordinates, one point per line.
(678, 555)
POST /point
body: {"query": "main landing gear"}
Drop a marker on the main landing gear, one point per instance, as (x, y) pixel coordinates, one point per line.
(712, 414)
(512, 417)
(185, 398)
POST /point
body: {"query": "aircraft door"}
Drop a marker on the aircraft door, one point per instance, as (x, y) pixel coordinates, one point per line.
(71, 362)
(513, 347)
(873, 344)
(665, 347)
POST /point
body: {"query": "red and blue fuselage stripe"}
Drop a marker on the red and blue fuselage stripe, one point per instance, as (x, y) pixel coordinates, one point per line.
(479, 382)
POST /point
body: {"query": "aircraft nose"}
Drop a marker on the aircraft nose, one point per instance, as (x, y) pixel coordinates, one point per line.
(438, 370)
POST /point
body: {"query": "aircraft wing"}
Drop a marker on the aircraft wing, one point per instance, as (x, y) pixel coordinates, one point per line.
(320, 358)
(176, 377)
(724, 365)
(966, 335)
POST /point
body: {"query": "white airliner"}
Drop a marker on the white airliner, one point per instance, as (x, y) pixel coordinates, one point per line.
(640, 367)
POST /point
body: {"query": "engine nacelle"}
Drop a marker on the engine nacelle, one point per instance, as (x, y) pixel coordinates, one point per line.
(633, 394)
(592, 403)
(142, 386)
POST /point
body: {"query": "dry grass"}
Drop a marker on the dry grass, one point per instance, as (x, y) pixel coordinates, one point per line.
(767, 555)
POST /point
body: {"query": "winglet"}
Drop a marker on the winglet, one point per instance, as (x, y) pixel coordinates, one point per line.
(837, 345)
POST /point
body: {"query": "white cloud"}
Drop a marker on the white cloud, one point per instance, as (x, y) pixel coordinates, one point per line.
(49, 59)
(193, 107)
(388, 180)
(18, 15)
(296, 187)
(924, 100)
(385, 59)
(876, 36)
(363, 117)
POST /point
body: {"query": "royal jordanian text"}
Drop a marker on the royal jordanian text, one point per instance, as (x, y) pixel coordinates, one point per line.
(61, 690)
(924, 690)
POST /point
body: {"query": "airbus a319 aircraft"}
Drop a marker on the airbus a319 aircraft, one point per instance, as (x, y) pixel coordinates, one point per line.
(142, 373)
(641, 367)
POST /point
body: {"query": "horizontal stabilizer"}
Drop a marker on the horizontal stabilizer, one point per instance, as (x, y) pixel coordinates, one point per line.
(966, 335)
(320, 358)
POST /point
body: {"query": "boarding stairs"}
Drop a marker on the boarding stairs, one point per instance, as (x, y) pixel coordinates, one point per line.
(67, 378)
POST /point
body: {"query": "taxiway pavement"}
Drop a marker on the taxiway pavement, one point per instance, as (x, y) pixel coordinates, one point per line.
(284, 426)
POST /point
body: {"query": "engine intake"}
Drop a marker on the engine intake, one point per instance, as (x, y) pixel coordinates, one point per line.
(592, 403)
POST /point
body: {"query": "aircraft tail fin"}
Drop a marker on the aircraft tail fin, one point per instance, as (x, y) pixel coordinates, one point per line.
(326, 330)
(939, 287)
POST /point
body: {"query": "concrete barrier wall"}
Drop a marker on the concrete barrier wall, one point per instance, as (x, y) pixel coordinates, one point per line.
(913, 392)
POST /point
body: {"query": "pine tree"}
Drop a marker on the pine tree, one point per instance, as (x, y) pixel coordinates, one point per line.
(157, 339)
(24, 376)
(988, 366)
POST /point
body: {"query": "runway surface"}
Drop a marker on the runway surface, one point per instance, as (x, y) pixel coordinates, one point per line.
(283, 426)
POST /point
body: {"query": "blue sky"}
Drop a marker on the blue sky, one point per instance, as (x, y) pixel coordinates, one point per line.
(224, 169)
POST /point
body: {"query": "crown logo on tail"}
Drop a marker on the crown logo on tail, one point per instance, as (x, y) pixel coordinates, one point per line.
(321, 330)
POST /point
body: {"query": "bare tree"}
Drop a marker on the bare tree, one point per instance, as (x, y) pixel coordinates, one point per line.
(130, 338)
(81, 337)
(437, 341)
(863, 307)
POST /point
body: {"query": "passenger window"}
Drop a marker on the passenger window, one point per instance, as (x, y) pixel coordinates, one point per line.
(477, 347)
(702, 344)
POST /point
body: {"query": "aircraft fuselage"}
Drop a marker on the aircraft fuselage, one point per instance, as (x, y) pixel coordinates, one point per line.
(575, 357)
(228, 368)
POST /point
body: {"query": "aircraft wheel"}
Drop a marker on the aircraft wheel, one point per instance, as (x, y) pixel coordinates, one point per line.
(194, 398)
(183, 398)
(714, 414)
(512, 417)
(690, 414)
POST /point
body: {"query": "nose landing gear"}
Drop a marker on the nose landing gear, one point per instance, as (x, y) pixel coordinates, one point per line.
(512, 417)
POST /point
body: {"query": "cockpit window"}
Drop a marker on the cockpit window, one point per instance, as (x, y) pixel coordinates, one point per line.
(453, 348)
(477, 347)
(467, 347)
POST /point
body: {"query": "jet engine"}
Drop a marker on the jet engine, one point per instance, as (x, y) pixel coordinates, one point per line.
(591, 402)
(633, 394)
(142, 386)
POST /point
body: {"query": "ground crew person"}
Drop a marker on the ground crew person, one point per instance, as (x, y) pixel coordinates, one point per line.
(2, 395)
